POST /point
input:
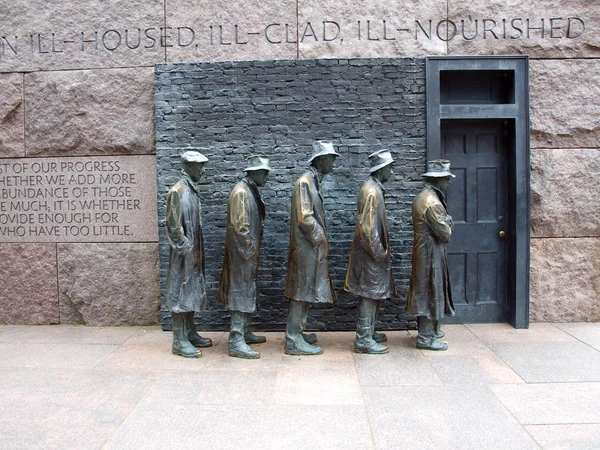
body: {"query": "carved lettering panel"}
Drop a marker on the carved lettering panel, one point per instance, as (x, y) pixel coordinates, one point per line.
(96, 199)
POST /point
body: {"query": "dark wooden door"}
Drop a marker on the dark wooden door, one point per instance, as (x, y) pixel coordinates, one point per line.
(477, 201)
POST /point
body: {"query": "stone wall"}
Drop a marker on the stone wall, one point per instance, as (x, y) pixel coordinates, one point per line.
(278, 108)
(76, 80)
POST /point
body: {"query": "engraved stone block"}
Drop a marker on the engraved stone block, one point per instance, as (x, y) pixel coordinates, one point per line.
(330, 29)
(28, 291)
(539, 28)
(565, 103)
(11, 116)
(565, 192)
(90, 112)
(63, 34)
(108, 284)
(93, 199)
(565, 280)
(232, 30)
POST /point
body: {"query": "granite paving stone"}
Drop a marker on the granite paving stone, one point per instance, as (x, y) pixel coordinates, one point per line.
(318, 387)
(68, 334)
(195, 427)
(9, 330)
(480, 369)
(396, 368)
(213, 388)
(566, 437)
(588, 333)
(551, 403)
(17, 354)
(73, 356)
(120, 387)
(341, 427)
(465, 417)
(503, 333)
(66, 408)
(551, 361)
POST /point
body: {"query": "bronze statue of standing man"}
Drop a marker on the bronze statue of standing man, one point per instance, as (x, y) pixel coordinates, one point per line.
(369, 274)
(186, 285)
(308, 279)
(429, 296)
(245, 217)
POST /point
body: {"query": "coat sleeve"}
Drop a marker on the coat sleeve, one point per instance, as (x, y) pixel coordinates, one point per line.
(306, 216)
(240, 225)
(368, 228)
(174, 223)
(438, 224)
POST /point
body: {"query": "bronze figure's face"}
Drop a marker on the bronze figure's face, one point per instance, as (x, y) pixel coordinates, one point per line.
(443, 182)
(386, 173)
(259, 176)
(194, 170)
(325, 163)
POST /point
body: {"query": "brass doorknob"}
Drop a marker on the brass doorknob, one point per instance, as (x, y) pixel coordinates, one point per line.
(502, 234)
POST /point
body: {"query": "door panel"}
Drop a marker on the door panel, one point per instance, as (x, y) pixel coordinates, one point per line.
(477, 200)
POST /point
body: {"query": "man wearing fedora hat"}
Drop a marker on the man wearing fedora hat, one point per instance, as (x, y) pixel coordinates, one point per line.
(245, 217)
(186, 286)
(429, 296)
(308, 279)
(369, 274)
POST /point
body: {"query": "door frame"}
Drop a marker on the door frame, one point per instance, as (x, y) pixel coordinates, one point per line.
(518, 259)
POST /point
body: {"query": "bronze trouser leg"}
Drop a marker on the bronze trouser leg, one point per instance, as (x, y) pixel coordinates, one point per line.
(296, 319)
(427, 330)
(237, 328)
(178, 321)
(367, 309)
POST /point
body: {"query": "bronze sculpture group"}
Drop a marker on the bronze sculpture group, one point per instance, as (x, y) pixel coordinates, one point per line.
(369, 275)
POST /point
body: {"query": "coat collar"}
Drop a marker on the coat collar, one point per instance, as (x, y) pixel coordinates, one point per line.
(439, 194)
(378, 183)
(256, 192)
(195, 186)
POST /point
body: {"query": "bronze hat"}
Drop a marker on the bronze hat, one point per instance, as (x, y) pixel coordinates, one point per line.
(258, 162)
(438, 168)
(322, 148)
(192, 156)
(379, 159)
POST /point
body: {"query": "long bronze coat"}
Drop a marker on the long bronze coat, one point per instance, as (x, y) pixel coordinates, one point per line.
(245, 217)
(186, 286)
(429, 294)
(308, 273)
(370, 266)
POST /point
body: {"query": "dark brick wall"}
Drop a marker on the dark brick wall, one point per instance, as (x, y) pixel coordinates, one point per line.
(278, 108)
